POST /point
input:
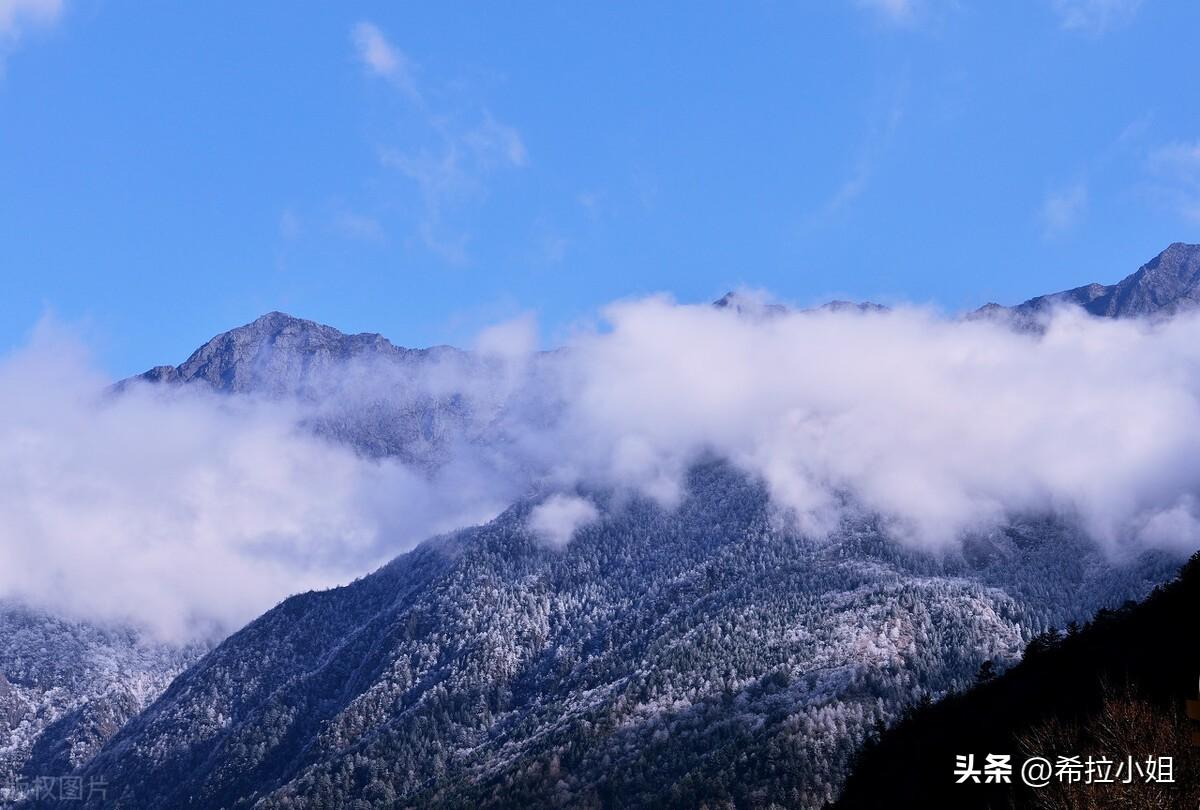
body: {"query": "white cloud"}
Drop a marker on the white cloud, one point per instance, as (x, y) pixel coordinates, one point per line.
(554, 247)
(887, 119)
(189, 514)
(514, 339)
(893, 11)
(1063, 208)
(556, 519)
(186, 512)
(383, 59)
(1094, 17)
(939, 426)
(496, 142)
(450, 155)
(1176, 170)
(17, 15)
(454, 172)
(290, 226)
(359, 227)
(1178, 156)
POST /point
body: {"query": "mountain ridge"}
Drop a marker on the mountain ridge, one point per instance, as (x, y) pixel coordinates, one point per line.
(1006, 586)
(1167, 284)
(483, 669)
(263, 354)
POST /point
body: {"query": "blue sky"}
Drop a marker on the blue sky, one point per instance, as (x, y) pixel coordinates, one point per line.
(423, 170)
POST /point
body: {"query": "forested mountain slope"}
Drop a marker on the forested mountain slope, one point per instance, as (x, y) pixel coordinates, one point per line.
(1113, 689)
(661, 657)
(66, 687)
(849, 630)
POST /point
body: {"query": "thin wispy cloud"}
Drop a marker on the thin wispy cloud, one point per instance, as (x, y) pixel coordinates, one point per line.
(908, 15)
(554, 248)
(896, 12)
(290, 226)
(18, 17)
(450, 156)
(878, 140)
(383, 59)
(1063, 209)
(1094, 17)
(359, 226)
(1175, 169)
(497, 143)
(1179, 156)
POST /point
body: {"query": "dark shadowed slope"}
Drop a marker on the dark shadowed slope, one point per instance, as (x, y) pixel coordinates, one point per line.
(1112, 689)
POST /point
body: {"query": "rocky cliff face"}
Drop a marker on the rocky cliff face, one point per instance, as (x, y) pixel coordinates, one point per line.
(278, 355)
(383, 399)
(1167, 284)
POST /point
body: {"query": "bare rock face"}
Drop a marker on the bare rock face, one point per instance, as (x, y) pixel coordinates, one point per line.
(1167, 284)
(281, 355)
(362, 389)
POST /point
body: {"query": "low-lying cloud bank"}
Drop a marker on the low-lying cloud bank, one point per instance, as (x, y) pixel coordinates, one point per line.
(189, 513)
(186, 512)
(941, 426)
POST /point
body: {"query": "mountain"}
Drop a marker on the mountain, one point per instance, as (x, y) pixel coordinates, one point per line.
(359, 389)
(66, 687)
(662, 658)
(279, 355)
(1113, 689)
(852, 306)
(1167, 284)
(745, 304)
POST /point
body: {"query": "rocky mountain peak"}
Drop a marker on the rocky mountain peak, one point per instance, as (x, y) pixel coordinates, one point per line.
(276, 353)
(1167, 284)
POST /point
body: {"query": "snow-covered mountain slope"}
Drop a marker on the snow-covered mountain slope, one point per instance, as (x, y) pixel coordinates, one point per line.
(66, 687)
(661, 657)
